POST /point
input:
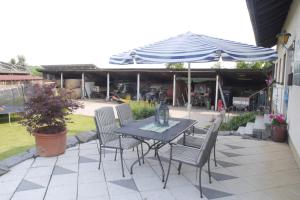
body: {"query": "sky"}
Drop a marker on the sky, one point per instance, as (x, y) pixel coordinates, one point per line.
(90, 31)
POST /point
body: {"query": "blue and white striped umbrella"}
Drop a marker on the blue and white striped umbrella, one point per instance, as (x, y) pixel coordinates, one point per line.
(194, 48)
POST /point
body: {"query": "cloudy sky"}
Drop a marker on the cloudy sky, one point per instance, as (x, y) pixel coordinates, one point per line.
(89, 31)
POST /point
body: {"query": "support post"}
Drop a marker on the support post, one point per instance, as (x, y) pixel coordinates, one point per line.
(174, 89)
(82, 86)
(217, 90)
(61, 80)
(189, 106)
(222, 96)
(107, 86)
(138, 87)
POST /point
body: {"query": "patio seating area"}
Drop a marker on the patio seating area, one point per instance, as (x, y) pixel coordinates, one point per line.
(247, 169)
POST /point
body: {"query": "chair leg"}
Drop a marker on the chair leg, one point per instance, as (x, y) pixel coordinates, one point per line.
(208, 166)
(200, 187)
(179, 167)
(142, 153)
(121, 154)
(138, 155)
(100, 159)
(116, 152)
(215, 155)
(168, 173)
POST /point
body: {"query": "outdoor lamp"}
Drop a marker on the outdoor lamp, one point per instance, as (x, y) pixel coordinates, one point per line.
(283, 38)
(162, 114)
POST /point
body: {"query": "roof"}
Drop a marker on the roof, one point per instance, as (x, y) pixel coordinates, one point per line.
(19, 78)
(92, 68)
(69, 67)
(159, 74)
(7, 68)
(267, 17)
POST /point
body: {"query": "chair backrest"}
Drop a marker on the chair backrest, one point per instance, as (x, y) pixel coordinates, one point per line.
(206, 146)
(218, 123)
(124, 113)
(105, 124)
(209, 141)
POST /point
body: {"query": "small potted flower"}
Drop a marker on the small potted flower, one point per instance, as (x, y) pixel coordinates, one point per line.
(45, 116)
(278, 127)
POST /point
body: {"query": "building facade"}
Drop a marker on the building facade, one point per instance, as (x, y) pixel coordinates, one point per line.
(282, 17)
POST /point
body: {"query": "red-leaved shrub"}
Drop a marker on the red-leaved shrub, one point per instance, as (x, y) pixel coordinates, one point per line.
(46, 110)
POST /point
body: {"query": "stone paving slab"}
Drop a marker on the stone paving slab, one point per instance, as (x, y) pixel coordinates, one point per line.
(247, 169)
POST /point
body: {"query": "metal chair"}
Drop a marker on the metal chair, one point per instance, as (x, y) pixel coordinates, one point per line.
(125, 116)
(194, 156)
(124, 113)
(197, 142)
(106, 124)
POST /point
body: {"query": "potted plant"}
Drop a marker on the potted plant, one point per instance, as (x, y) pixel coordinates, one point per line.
(45, 116)
(278, 127)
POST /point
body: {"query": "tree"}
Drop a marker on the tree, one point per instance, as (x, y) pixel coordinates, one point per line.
(12, 61)
(21, 60)
(253, 65)
(174, 66)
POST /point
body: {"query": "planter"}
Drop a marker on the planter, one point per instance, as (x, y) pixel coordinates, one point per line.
(279, 133)
(48, 145)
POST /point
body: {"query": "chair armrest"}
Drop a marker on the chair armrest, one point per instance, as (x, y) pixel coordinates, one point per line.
(184, 146)
(202, 130)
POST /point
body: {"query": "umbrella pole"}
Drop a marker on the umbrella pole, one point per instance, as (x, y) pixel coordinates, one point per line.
(189, 106)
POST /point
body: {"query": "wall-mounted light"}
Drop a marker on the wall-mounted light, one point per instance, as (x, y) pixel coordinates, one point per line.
(283, 38)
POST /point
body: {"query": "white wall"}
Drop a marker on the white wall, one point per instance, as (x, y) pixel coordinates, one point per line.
(294, 117)
(292, 25)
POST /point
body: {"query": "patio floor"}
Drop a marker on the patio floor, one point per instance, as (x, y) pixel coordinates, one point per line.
(247, 169)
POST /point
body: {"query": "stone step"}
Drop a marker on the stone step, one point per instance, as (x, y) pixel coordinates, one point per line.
(260, 129)
(241, 130)
(249, 128)
(259, 123)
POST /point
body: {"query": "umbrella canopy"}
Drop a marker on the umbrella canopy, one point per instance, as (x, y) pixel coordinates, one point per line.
(194, 48)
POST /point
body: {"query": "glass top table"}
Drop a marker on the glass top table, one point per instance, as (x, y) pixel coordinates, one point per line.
(136, 130)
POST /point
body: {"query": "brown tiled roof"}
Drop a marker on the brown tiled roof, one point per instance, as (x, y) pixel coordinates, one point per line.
(19, 78)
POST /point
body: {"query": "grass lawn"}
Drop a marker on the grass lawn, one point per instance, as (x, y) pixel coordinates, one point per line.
(14, 138)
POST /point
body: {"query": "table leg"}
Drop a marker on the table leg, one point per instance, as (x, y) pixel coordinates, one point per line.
(161, 166)
(142, 157)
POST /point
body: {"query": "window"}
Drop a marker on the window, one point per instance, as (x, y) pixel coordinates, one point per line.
(283, 70)
(275, 71)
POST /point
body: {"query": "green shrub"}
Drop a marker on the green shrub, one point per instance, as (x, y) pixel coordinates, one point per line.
(237, 121)
(141, 109)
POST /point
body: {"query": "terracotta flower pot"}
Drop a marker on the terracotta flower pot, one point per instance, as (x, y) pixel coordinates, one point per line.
(48, 145)
(279, 133)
